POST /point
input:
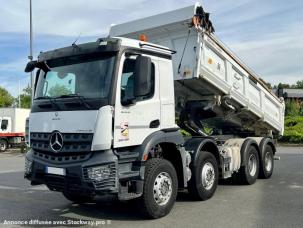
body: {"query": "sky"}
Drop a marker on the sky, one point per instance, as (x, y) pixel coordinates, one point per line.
(266, 35)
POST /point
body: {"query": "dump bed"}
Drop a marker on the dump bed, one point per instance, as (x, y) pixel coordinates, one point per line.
(205, 69)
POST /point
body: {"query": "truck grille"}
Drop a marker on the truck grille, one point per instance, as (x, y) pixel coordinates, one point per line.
(61, 157)
(72, 142)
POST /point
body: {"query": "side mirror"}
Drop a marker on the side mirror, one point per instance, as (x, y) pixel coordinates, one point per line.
(30, 66)
(33, 64)
(142, 76)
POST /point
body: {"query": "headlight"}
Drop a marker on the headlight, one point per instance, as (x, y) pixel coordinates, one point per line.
(28, 166)
(99, 173)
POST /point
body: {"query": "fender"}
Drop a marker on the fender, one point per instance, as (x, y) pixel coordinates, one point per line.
(4, 138)
(174, 137)
(263, 144)
(195, 145)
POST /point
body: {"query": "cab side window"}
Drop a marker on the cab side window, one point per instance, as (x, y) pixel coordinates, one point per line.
(128, 83)
(4, 125)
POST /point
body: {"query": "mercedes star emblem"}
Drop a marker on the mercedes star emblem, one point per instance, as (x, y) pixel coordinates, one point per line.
(56, 141)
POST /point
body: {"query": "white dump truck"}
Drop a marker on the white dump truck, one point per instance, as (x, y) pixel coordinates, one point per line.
(12, 122)
(109, 117)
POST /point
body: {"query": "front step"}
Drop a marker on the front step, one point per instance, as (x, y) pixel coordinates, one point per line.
(124, 157)
(128, 175)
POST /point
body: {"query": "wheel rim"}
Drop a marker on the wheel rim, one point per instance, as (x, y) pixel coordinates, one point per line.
(252, 165)
(208, 175)
(162, 188)
(2, 146)
(268, 161)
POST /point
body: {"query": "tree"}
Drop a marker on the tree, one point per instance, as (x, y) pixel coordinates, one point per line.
(283, 86)
(25, 97)
(6, 99)
(58, 90)
(299, 84)
(292, 108)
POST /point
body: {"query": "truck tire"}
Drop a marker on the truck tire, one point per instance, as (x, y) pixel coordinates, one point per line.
(267, 163)
(204, 180)
(249, 172)
(77, 198)
(160, 188)
(3, 145)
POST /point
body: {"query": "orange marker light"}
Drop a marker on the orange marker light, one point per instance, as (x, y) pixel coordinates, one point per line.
(143, 37)
(145, 157)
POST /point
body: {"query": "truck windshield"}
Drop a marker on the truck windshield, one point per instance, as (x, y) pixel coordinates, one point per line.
(88, 77)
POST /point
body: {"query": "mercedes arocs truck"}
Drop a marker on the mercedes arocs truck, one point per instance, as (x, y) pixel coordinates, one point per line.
(142, 119)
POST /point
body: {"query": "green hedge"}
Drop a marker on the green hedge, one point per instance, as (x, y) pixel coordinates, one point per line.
(293, 129)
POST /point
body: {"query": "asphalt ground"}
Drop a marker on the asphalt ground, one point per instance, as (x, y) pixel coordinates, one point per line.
(276, 202)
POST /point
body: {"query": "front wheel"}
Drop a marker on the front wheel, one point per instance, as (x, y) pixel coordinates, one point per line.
(160, 188)
(3, 145)
(204, 181)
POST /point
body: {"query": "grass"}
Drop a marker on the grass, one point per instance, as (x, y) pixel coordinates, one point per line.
(293, 129)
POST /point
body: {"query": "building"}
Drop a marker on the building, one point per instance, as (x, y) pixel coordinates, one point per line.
(289, 94)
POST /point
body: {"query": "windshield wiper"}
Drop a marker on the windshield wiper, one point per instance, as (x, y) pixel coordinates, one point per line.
(51, 99)
(81, 98)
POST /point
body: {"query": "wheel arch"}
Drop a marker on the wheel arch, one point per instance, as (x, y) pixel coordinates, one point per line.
(267, 141)
(4, 138)
(196, 145)
(159, 137)
(172, 154)
(171, 144)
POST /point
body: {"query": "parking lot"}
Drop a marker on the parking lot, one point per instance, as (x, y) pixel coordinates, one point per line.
(277, 202)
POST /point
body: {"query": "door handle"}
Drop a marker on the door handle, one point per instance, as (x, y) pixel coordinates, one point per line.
(154, 124)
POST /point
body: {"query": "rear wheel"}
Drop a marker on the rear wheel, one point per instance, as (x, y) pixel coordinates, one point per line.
(160, 188)
(248, 173)
(77, 198)
(3, 145)
(267, 163)
(204, 181)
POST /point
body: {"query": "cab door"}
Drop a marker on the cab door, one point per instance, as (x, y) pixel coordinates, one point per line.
(139, 117)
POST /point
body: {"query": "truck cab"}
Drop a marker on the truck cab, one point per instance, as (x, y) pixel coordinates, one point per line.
(100, 110)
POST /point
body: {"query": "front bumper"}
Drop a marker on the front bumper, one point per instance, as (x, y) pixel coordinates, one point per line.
(75, 178)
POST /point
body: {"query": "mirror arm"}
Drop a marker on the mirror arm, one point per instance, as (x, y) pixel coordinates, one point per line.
(129, 101)
(43, 66)
(35, 64)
